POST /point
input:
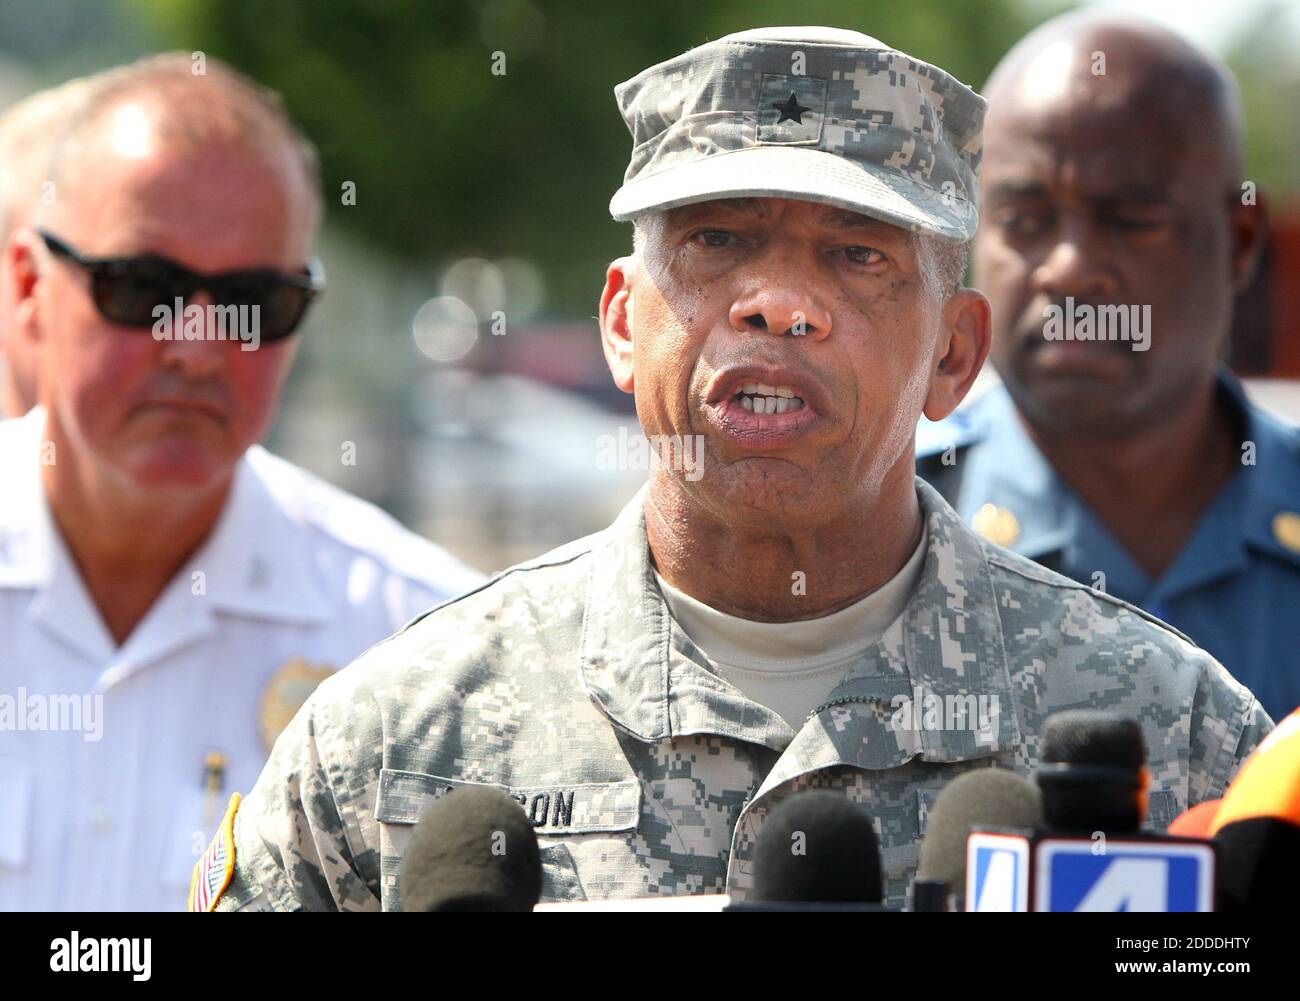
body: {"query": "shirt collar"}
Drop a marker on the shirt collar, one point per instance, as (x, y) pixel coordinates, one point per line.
(1272, 482)
(1012, 469)
(257, 563)
(1241, 515)
(26, 531)
(784, 647)
(1009, 467)
(644, 673)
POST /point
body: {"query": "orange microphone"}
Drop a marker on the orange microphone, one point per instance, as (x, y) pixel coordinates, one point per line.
(1195, 821)
(1257, 825)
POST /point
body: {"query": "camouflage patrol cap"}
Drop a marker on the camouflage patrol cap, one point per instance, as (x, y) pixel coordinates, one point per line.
(818, 114)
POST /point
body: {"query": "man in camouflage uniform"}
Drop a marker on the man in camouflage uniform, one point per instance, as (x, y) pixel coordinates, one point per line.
(802, 199)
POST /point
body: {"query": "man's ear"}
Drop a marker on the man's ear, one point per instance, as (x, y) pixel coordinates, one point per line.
(1248, 226)
(615, 321)
(959, 356)
(20, 277)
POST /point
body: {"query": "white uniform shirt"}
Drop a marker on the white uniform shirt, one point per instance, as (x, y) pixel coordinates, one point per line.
(113, 814)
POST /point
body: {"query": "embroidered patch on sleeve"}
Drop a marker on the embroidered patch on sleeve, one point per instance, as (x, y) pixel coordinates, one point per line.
(213, 871)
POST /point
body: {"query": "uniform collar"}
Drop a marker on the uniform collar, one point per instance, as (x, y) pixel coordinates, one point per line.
(645, 674)
(1272, 483)
(256, 564)
(260, 561)
(1010, 467)
(1241, 516)
(26, 551)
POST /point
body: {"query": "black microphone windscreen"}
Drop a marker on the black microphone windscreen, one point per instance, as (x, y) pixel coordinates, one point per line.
(473, 850)
(986, 797)
(818, 847)
(1090, 771)
(1092, 737)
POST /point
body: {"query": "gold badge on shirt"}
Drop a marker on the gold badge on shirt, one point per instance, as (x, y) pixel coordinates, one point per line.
(1286, 529)
(997, 524)
(284, 695)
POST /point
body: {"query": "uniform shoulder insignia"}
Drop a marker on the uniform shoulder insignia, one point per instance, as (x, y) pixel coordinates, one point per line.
(1286, 530)
(213, 871)
(997, 524)
(284, 695)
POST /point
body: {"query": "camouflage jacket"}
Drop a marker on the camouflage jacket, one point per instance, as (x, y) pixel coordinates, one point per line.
(566, 682)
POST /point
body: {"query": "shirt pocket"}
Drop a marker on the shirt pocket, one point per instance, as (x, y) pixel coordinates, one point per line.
(17, 790)
(560, 879)
(901, 860)
(561, 814)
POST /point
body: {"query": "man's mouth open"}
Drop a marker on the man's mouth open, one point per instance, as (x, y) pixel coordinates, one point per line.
(760, 398)
(760, 409)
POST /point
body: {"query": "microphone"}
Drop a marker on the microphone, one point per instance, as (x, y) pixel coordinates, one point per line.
(473, 850)
(1257, 826)
(818, 848)
(987, 797)
(1092, 772)
(1195, 821)
(1092, 855)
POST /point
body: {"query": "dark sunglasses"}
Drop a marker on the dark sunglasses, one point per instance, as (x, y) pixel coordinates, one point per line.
(127, 290)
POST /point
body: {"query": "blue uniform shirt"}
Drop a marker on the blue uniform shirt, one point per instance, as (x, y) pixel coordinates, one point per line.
(1234, 588)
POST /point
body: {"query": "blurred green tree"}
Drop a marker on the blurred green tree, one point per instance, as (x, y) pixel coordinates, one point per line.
(449, 159)
(1267, 66)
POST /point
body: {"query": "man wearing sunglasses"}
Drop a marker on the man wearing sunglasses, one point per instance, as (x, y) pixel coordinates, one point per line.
(140, 290)
(169, 591)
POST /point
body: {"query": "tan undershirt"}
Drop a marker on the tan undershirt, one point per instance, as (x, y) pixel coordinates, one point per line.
(791, 667)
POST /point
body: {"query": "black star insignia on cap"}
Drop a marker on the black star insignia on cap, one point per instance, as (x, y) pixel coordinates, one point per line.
(792, 110)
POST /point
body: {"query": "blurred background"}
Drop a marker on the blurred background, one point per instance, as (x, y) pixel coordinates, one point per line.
(469, 150)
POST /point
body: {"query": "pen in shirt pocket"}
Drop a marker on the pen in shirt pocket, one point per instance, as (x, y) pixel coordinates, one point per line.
(214, 783)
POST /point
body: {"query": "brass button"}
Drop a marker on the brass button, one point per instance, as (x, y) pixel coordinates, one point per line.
(999, 525)
(1286, 529)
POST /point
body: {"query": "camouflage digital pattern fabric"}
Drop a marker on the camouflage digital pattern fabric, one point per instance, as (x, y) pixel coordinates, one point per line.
(565, 681)
(1235, 583)
(818, 114)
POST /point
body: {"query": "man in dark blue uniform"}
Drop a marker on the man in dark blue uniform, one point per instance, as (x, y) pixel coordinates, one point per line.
(1118, 227)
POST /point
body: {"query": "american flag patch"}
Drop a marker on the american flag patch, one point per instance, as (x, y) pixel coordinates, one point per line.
(213, 871)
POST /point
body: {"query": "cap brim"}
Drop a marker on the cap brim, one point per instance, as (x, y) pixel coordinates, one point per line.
(806, 174)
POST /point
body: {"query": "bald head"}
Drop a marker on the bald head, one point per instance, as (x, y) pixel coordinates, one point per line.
(28, 132)
(1119, 67)
(1112, 180)
(171, 104)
